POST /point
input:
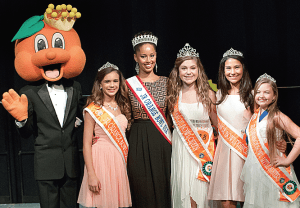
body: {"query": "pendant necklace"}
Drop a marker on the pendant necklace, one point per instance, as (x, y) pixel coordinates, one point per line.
(114, 109)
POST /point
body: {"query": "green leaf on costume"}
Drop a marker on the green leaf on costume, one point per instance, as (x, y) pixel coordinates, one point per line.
(30, 27)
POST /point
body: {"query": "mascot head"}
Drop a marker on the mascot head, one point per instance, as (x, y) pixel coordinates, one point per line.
(47, 47)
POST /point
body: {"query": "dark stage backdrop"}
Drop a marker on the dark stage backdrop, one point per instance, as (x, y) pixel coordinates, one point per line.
(267, 32)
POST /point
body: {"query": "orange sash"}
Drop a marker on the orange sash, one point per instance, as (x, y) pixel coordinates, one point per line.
(232, 138)
(200, 144)
(280, 177)
(111, 126)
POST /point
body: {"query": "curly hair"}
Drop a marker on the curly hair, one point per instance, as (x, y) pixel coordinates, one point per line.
(245, 89)
(175, 84)
(121, 97)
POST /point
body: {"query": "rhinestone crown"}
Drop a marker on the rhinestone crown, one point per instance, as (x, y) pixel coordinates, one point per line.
(231, 51)
(265, 75)
(107, 65)
(144, 39)
(187, 50)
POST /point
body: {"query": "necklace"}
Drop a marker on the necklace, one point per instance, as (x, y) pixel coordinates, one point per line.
(114, 109)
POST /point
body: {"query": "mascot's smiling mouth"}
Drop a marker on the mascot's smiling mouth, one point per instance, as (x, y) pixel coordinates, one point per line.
(52, 71)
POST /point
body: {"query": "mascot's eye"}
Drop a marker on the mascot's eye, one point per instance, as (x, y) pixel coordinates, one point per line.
(58, 41)
(40, 43)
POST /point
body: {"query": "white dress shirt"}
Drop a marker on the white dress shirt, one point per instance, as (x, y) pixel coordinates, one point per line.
(59, 100)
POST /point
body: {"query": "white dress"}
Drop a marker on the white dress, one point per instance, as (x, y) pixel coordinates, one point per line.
(184, 168)
(258, 188)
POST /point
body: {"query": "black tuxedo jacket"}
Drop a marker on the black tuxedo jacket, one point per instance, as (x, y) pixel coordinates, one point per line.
(56, 148)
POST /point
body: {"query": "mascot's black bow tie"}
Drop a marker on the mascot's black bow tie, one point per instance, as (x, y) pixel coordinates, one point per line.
(58, 82)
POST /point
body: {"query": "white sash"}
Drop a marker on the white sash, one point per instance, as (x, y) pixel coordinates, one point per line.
(150, 106)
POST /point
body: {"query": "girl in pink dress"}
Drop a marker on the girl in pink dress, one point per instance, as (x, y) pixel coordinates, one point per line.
(105, 182)
(235, 107)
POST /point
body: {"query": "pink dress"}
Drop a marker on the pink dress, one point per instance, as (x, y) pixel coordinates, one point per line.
(225, 182)
(110, 170)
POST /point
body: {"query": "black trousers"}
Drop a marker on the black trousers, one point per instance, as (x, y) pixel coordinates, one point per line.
(61, 193)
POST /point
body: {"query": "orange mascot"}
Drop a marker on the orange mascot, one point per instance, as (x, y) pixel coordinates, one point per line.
(47, 53)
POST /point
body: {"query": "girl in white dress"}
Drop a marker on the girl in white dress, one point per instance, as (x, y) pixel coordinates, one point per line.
(190, 101)
(269, 178)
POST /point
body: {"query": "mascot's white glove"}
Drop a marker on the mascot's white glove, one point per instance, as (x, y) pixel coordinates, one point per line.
(16, 106)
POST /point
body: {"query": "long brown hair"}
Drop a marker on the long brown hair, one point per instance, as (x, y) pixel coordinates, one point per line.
(273, 118)
(245, 83)
(121, 96)
(175, 84)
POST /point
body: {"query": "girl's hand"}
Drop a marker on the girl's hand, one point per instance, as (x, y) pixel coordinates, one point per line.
(94, 184)
(281, 161)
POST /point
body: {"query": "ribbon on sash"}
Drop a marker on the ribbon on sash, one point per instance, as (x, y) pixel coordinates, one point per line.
(199, 143)
(232, 137)
(150, 106)
(111, 126)
(280, 177)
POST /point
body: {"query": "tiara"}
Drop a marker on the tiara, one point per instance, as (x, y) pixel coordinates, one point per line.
(187, 50)
(144, 39)
(108, 65)
(231, 51)
(265, 75)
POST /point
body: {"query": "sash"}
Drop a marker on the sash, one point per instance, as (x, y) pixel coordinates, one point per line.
(111, 126)
(232, 137)
(280, 177)
(200, 144)
(150, 106)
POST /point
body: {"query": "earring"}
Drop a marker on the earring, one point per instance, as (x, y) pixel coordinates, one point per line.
(137, 68)
(156, 67)
(100, 88)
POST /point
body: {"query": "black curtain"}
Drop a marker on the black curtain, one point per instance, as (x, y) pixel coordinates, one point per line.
(267, 32)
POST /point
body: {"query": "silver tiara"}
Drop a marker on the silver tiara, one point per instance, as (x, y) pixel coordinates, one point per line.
(187, 50)
(108, 65)
(231, 51)
(265, 75)
(144, 39)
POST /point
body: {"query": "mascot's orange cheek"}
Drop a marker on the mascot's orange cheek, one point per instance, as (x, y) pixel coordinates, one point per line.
(25, 68)
(76, 63)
